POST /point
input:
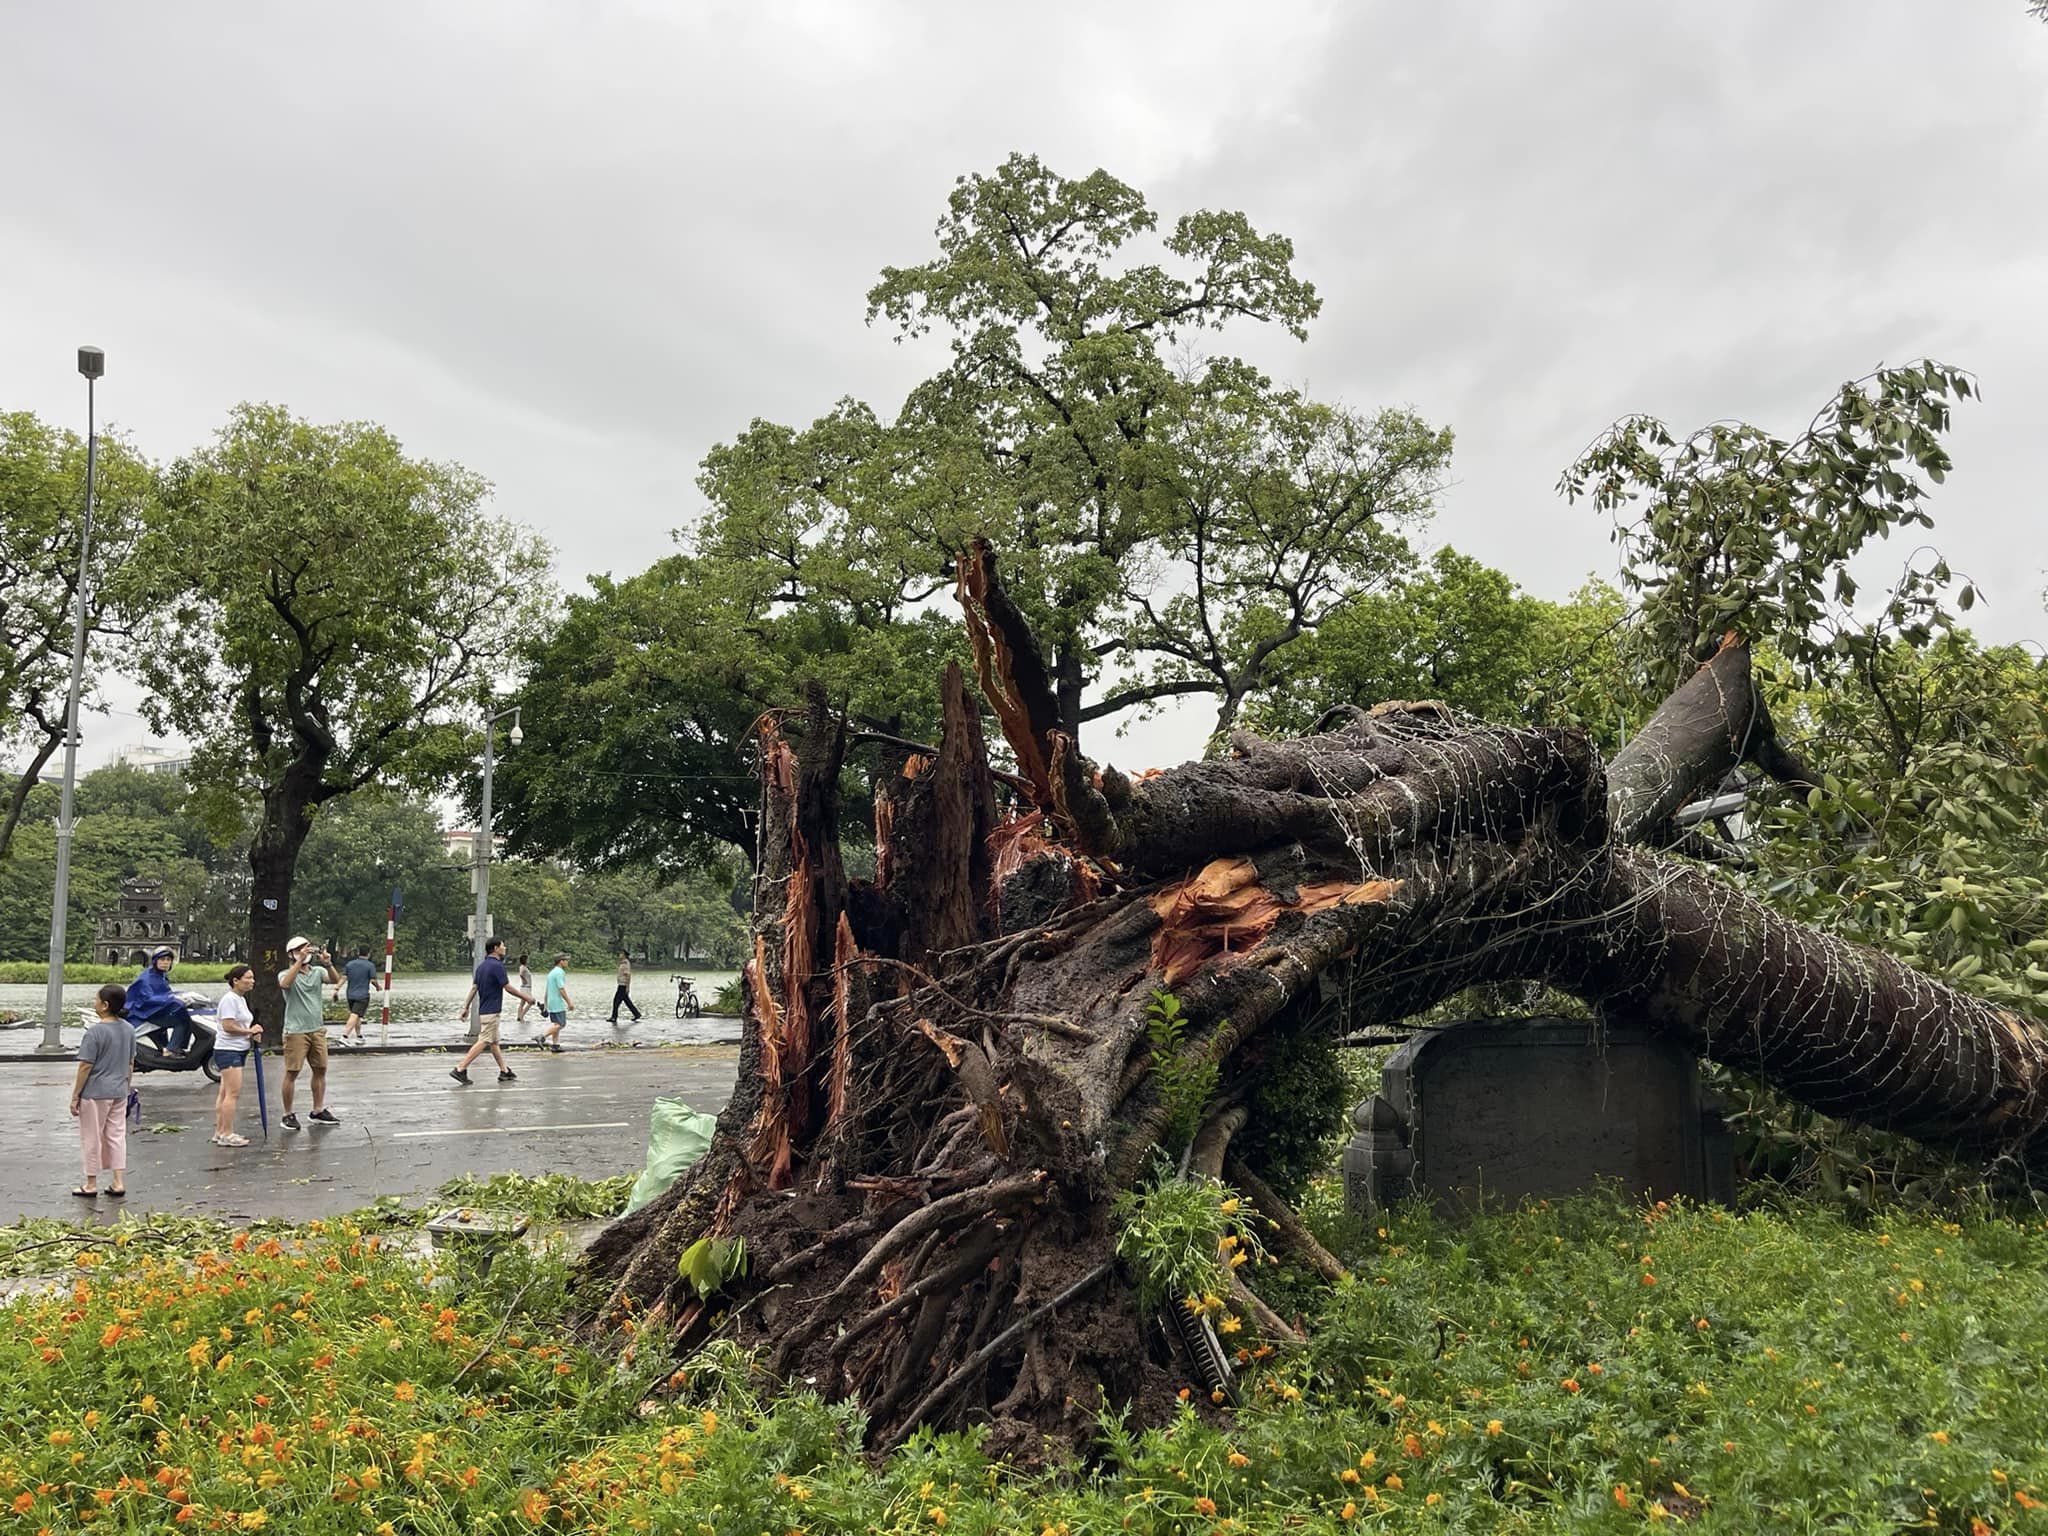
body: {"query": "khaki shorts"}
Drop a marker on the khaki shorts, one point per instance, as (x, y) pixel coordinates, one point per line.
(487, 1028)
(311, 1045)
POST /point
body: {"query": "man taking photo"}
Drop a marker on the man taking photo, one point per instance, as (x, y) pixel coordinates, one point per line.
(305, 1027)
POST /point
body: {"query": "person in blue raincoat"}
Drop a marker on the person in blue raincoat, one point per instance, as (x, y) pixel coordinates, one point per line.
(153, 1004)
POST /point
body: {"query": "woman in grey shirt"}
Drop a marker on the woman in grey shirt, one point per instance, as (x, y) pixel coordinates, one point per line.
(99, 1098)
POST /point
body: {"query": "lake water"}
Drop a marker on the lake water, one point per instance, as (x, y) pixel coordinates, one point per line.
(425, 1009)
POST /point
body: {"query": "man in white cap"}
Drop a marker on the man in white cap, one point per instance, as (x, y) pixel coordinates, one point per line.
(305, 1026)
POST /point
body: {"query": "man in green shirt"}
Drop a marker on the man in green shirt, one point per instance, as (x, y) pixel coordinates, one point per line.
(305, 1026)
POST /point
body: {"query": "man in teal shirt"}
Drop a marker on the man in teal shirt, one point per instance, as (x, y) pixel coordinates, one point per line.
(305, 1026)
(556, 1004)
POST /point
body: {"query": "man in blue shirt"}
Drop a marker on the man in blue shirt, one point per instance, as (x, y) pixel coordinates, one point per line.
(358, 975)
(488, 989)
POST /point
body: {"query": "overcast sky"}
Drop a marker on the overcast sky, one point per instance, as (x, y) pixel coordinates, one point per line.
(572, 245)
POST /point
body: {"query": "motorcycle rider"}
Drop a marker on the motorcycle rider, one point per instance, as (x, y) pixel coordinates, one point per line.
(151, 1002)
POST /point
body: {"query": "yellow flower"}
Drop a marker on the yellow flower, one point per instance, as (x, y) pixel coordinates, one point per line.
(937, 1515)
(1229, 1207)
(1939, 1437)
(405, 1392)
(1494, 1426)
(253, 1520)
(1348, 1512)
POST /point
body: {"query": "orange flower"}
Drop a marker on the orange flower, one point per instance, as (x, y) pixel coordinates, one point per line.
(1205, 1505)
(1348, 1512)
(1621, 1495)
(1411, 1446)
(405, 1392)
(1569, 1384)
(533, 1506)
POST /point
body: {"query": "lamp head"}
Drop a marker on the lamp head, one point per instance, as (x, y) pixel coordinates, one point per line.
(92, 362)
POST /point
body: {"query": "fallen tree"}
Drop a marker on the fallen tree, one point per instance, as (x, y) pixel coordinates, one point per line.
(947, 1075)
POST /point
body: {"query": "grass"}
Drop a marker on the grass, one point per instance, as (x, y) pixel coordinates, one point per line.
(76, 973)
(1568, 1368)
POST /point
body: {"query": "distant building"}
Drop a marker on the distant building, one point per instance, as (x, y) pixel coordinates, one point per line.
(140, 922)
(155, 759)
(460, 844)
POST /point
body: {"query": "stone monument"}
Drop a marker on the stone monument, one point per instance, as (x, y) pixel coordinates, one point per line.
(1491, 1112)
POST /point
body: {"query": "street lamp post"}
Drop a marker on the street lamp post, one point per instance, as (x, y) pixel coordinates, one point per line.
(92, 363)
(483, 843)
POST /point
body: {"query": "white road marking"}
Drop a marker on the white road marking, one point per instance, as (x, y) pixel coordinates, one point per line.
(509, 1130)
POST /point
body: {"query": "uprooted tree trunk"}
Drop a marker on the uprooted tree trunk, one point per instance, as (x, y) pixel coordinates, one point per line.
(946, 1076)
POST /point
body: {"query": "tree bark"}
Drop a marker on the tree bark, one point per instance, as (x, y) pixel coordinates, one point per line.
(946, 1076)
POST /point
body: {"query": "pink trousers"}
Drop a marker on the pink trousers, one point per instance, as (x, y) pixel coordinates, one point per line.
(103, 1132)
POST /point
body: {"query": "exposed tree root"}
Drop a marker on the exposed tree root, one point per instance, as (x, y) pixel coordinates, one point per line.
(945, 1074)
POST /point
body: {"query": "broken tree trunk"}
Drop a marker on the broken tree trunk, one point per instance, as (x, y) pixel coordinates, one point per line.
(946, 1075)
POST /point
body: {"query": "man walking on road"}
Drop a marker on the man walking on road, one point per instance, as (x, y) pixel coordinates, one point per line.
(360, 972)
(489, 989)
(624, 996)
(305, 1027)
(557, 1004)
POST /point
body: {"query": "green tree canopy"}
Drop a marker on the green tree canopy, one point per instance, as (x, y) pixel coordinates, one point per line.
(327, 613)
(42, 512)
(1461, 632)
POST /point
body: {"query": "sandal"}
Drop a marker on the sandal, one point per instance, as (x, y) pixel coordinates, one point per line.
(86, 1194)
(115, 1194)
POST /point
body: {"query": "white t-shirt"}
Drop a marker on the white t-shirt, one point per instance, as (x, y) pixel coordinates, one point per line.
(236, 1021)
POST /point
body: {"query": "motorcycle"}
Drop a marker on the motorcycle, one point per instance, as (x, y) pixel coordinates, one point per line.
(152, 1041)
(687, 1006)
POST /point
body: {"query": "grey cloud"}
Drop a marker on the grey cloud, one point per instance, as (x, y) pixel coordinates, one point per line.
(572, 246)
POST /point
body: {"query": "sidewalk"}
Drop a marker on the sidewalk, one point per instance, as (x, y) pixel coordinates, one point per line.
(406, 1128)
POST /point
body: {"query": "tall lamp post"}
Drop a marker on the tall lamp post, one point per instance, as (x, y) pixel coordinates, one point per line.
(92, 363)
(483, 842)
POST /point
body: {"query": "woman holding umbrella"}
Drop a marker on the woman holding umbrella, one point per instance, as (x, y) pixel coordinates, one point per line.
(237, 1034)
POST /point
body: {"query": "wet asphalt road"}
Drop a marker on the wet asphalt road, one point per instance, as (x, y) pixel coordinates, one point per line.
(406, 1128)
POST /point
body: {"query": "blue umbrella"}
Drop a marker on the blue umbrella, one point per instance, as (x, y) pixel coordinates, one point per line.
(262, 1102)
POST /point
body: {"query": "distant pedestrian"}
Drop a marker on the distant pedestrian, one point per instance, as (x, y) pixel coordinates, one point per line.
(557, 1005)
(526, 981)
(99, 1095)
(357, 975)
(623, 998)
(305, 1027)
(488, 989)
(231, 1052)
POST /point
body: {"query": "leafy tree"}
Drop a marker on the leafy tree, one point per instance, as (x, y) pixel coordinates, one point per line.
(329, 612)
(42, 509)
(128, 823)
(360, 847)
(1734, 528)
(1167, 526)
(639, 709)
(1460, 632)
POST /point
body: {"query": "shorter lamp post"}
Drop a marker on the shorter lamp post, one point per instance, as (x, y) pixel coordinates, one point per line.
(483, 843)
(92, 363)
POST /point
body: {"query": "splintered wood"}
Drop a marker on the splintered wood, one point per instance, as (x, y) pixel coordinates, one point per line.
(1224, 910)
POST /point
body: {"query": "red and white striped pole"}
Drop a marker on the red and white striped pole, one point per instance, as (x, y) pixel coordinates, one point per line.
(390, 944)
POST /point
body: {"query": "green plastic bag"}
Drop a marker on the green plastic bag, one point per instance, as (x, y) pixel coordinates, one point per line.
(677, 1136)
